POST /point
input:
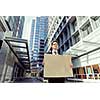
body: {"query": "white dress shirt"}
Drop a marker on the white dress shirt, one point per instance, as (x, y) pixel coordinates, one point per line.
(54, 52)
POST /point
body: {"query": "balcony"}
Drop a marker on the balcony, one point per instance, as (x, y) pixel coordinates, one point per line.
(86, 45)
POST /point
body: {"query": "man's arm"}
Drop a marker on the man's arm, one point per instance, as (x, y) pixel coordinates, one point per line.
(71, 64)
(43, 62)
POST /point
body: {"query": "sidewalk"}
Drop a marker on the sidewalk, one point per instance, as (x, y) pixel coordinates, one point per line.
(91, 80)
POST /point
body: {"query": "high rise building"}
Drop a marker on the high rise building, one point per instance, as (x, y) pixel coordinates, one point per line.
(3, 47)
(43, 34)
(12, 65)
(53, 24)
(79, 36)
(20, 27)
(36, 42)
(31, 40)
(16, 24)
(40, 32)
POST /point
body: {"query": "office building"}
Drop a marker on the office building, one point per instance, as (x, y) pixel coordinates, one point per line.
(13, 23)
(36, 42)
(31, 40)
(13, 61)
(3, 50)
(20, 27)
(79, 36)
(40, 33)
(16, 24)
(43, 34)
(53, 24)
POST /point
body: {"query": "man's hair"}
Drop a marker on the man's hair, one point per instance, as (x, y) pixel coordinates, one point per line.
(53, 42)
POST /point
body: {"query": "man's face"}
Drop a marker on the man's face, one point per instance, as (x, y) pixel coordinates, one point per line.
(55, 45)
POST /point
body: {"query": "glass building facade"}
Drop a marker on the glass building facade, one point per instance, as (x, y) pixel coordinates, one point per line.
(31, 40)
(36, 40)
(21, 25)
(10, 67)
(16, 24)
(40, 32)
(43, 35)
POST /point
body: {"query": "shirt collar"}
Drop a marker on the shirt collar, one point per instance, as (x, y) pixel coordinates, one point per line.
(54, 51)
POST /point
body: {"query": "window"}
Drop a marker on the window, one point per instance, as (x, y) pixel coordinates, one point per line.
(76, 38)
(87, 29)
(59, 17)
(74, 25)
(67, 16)
(96, 20)
(1, 43)
(81, 17)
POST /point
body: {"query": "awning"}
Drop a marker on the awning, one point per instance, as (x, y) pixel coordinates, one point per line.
(86, 45)
(20, 49)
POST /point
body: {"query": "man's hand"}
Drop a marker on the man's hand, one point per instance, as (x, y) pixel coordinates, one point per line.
(43, 62)
(71, 65)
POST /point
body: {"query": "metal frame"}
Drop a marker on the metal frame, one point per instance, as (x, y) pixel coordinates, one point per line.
(23, 57)
(78, 48)
(97, 45)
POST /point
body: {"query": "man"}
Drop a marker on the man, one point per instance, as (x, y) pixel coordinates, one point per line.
(54, 48)
(54, 51)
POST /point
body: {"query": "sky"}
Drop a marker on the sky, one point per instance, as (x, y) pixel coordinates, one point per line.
(27, 27)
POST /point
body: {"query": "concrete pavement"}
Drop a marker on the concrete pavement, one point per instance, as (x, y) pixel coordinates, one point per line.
(28, 80)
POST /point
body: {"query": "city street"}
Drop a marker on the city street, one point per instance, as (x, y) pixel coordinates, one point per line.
(28, 80)
(59, 46)
(40, 80)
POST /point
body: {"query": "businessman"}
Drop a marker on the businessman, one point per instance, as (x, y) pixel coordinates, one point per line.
(54, 51)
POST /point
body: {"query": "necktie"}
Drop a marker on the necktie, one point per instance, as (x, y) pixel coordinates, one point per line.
(55, 53)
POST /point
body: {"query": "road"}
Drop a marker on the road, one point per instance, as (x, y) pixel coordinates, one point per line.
(38, 80)
(28, 80)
